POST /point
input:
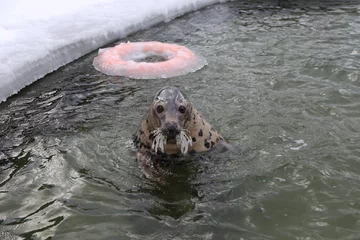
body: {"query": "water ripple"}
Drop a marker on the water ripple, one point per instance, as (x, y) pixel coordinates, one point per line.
(282, 85)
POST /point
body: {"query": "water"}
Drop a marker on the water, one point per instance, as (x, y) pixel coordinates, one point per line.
(282, 85)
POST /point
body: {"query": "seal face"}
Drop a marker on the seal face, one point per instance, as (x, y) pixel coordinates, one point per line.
(173, 127)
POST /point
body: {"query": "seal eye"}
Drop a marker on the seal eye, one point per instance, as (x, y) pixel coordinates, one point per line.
(182, 109)
(159, 109)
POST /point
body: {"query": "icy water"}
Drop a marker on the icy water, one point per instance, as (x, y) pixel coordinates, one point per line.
(282, 85)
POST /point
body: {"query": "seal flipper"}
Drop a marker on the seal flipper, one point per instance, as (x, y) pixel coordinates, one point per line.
(222, 146)
(147, 166)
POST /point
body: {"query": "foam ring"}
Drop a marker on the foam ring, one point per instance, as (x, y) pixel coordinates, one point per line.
(121, 60)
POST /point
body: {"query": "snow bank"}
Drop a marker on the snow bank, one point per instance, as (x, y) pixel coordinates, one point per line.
(39, 36)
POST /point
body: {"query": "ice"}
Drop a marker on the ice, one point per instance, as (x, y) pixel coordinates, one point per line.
(38, 37)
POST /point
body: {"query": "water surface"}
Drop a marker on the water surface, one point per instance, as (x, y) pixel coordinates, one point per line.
(282, 84)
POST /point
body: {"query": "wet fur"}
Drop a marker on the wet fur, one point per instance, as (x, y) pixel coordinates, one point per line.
(203, 135)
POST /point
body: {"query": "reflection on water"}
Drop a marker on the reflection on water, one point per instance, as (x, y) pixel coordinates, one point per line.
(282, 83)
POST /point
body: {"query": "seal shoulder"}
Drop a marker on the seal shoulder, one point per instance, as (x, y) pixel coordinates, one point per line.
(204, 135)
(142, 138)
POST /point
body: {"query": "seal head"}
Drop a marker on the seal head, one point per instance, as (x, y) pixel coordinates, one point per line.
(168, 120)
(173, 126)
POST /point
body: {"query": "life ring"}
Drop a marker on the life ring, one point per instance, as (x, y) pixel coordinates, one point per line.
(121, 60)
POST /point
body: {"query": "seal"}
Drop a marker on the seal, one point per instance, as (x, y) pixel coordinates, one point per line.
(172, 126)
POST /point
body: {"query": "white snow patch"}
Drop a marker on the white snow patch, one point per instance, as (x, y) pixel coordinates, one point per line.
(39, 36)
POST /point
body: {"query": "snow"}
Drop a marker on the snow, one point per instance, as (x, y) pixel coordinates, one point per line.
(39, 36)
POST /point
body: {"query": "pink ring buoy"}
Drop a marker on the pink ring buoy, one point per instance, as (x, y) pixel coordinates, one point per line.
(119, 60)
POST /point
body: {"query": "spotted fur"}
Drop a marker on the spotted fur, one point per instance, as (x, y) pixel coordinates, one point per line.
(203, 135)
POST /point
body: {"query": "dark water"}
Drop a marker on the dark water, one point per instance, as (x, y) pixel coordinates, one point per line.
(282, 82)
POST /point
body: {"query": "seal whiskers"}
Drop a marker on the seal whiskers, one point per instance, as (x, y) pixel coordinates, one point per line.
(183, 140)
(159, 140)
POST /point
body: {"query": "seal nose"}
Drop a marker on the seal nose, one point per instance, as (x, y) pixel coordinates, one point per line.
(172, 128)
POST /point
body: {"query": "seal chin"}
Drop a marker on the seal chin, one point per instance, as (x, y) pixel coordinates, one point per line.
(182, 140)
(171, 135)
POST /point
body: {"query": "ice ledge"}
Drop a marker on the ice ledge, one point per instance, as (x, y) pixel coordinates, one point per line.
(33, 48)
